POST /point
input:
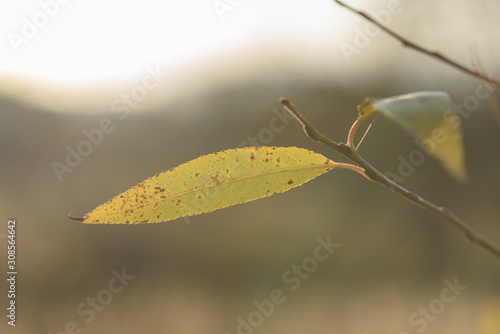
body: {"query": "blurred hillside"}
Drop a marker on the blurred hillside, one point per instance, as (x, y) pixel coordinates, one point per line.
(199, 274)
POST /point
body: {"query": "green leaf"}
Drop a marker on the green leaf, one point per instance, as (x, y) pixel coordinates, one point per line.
(212, 182)
(431, 118)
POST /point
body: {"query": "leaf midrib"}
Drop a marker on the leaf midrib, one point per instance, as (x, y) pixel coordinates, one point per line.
(330, 164)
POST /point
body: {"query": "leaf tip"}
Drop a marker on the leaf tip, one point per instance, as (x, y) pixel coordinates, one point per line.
(78, 219)
(459, 174)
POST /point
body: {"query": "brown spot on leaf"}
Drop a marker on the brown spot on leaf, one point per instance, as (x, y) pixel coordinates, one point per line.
(290, 182)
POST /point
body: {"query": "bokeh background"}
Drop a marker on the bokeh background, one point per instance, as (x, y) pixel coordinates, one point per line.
(228, 63)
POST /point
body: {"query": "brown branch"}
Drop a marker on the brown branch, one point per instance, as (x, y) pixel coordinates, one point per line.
(470, 233)
(421, 49)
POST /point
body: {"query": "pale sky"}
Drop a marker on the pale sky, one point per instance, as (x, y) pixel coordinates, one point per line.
(78, 43)
(82, 41)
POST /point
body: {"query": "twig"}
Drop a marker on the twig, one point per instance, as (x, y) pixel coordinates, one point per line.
(470, 233)
(421, 49)
(352, 132)
(355, 168)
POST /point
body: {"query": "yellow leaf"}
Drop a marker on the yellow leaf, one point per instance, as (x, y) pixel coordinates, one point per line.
(212, 182)
(431, 118)
(490, 320)
(366, 109)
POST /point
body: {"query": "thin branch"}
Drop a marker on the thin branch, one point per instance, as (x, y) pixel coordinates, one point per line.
(310, 131)
(421, 49)
(470, 233)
